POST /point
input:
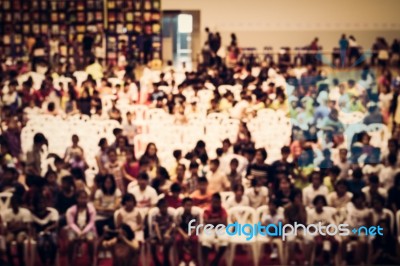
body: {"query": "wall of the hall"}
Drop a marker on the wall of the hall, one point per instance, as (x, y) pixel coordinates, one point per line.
(275, 23)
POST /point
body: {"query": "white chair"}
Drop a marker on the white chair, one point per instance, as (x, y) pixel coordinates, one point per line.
(242, 215)
(166, 89)
(156, 114)
(264, 240)
(140, 111)
(216, 118)
(225, 195)
(115, 81)
(5, 199)
(352, 130)
(205, 96)
(80, 76)
(222, 89)
(379, 134)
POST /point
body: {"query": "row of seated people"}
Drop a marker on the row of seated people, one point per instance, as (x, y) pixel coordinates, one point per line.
(108, 217)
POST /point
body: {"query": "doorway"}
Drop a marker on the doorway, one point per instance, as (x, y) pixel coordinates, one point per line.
(181, 36)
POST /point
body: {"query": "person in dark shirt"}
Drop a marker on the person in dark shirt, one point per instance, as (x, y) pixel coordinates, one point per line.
(84, 102)
(344, 45)
(282, 165)
(326, 163)
(374, 116)
(394, 195)
(357, 183)
(384, 247)
(284, 191)
(187, 243)
(96, 102)
(66, 198)
(44, 225)
(295, 212)
(259, 169)
(9, 182)
(147, 47)
(157, 94)
(87, 44)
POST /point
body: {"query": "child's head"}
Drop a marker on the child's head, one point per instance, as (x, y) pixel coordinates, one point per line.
(59, 163)
(261, 155)
(285, 152)
(214, 164)
(255, 184)
(151, 150)
(162, 173)
(238, 189)
(202, 184)
(128, 201)
(180, 170)
(319, 202)
(326, 153)
(162, 206)
(117, 132)
(187, 204)
(194, 168)
(144, 164)
(130, 155)
(284, 184)
(176, 189)
(315, 179)
(234, 164)
(51, 177)
(82, 198)
(334, 172)
(103, 144)
(216, 201)
(226, 144)
(143, 180)
(112, 155)
(122, 142)
(177, 154)
(365, 138)
(67, 183)
(219, 152)
(109, 186)
(341, 187)
(75, 139)
(39, 140)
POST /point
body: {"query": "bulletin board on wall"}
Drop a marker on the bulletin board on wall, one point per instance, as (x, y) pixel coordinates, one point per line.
(122, 23)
